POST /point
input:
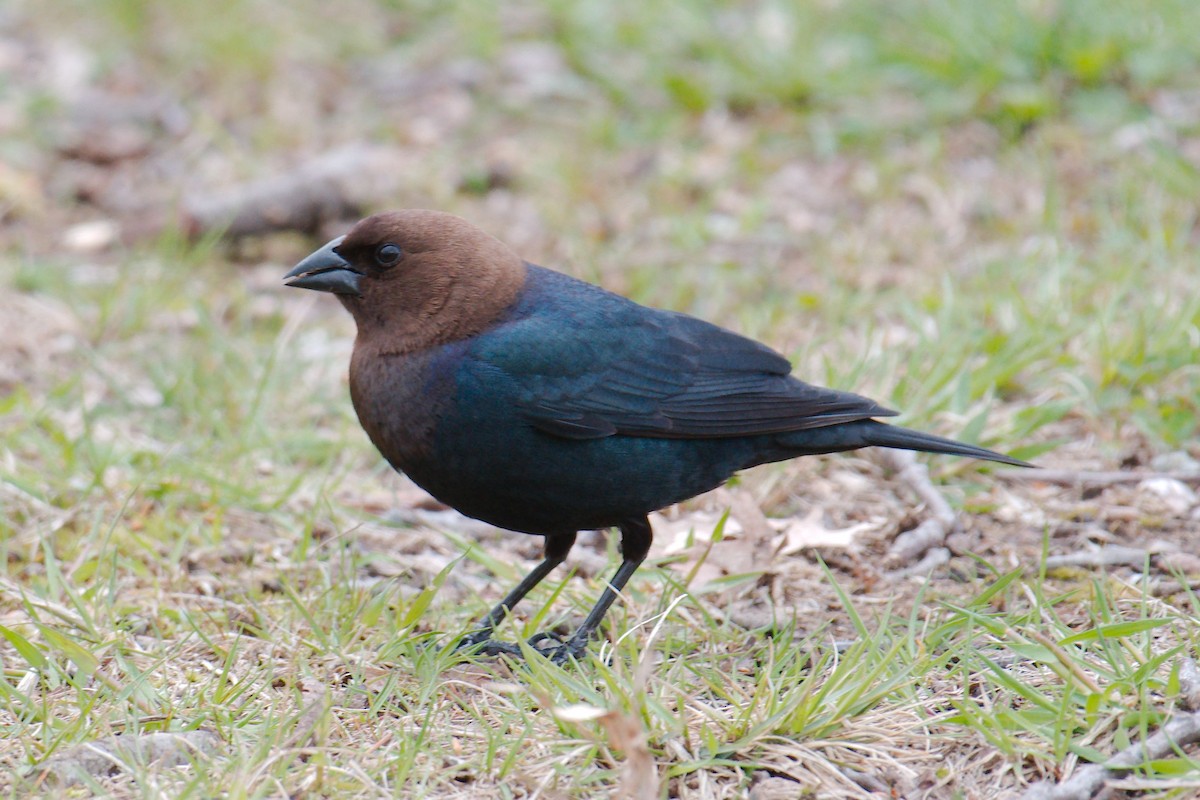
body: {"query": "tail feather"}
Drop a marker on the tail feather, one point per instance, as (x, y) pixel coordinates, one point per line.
(872, 433)
(883, 435)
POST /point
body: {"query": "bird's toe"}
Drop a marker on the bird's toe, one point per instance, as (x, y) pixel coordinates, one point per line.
(545, 642)
(484, 645)
(558, 651)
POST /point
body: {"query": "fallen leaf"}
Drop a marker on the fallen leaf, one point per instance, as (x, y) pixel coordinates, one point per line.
(691, 529)
(810, 531)
(639, 775)
(579, 712)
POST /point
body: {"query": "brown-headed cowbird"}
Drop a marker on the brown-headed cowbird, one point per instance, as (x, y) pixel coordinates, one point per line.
(545, 405)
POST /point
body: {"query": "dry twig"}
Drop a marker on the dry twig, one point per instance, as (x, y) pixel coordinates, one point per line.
(1167, 587)
(1081, 477)
(933, 559)
(332, 186)
(932, 532)
(1109, 556)
(1085, 783)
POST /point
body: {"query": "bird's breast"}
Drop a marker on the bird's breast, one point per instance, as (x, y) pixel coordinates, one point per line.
(462, 435)
(399, 400)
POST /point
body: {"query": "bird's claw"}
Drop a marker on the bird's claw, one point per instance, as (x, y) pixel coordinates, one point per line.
(472, 639)
(549, 644)
(559, 652)
(484, 645)
(538, 640)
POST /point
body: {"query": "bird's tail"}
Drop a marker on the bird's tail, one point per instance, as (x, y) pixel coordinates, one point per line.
(872, 433)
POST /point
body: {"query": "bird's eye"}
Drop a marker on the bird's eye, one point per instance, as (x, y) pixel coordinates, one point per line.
(388, 254)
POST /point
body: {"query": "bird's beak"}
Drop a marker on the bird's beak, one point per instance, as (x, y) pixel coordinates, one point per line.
(325, 271)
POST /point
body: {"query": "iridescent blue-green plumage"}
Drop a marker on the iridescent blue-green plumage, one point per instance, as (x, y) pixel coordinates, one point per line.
(578, 409)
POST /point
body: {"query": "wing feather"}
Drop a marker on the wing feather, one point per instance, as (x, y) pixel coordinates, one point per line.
(620, 368)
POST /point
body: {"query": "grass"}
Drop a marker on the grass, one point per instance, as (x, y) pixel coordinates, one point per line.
(982, 214)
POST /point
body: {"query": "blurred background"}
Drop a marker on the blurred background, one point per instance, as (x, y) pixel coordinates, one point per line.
(802, 171)
(982, 214)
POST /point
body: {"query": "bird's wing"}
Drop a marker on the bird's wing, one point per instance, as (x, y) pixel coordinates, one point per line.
(638, 371)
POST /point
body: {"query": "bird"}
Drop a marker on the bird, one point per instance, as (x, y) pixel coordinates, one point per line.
(546, 405)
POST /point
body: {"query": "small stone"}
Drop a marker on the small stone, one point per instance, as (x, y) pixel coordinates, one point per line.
(91, 237)
(1172, 495)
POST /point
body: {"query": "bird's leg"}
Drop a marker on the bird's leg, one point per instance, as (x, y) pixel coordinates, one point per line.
(636, 536)
(555, 553)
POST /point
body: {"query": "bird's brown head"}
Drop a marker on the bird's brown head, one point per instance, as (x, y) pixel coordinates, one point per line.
(414, 278)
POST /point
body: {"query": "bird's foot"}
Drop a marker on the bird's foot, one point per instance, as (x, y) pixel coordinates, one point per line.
(550, 645)
(485, 645)
(560, 652)
(482, 643)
